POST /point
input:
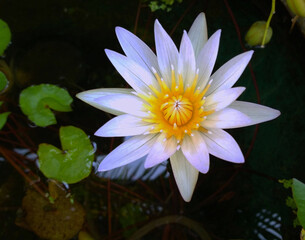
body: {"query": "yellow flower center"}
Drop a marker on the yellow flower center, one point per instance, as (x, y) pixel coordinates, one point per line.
(176, 110)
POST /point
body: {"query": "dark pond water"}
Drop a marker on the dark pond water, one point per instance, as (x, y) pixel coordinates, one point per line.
(62, 42)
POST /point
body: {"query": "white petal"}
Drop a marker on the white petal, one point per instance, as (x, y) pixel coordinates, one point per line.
(129, 151)
(221, 99)
(136, 76)
(186, 61)
(226, 118)
(91, 96)
(257, 113)
(196, 152)
(222, 145)
(167, 53)
(206, 59)
(123, 125)
(122, 103)
(198, 33)
(137, 50)
(185, 175)
(161, 151)
(226, 76)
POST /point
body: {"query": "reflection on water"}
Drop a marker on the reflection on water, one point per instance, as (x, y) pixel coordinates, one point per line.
(268, 225)
(133, 171)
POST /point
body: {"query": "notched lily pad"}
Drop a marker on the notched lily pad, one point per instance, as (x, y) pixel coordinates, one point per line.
(3, 117)
(5, 36)
(72, 163)
(60, 220)
(36, 102)
(298, 192)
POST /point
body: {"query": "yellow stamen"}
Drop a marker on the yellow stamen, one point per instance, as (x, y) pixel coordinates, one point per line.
(176, 110)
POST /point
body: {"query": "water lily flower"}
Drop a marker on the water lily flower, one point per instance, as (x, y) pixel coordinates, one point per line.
(175, 109)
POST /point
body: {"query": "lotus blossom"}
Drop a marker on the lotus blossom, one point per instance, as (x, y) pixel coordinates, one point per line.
(175, 109)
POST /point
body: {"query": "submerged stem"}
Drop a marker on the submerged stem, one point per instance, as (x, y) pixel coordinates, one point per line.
(189, 223)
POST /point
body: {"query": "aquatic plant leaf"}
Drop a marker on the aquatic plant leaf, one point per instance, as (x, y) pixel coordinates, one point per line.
(72, 163)
(36, 102)
(3, 81)
(3, 117)
(60, 220)
(298, 192)
(5, 36)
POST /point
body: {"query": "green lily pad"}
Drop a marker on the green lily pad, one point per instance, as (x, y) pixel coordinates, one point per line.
(3, 81)
(5, 36)
(36, 102)
(298, 192)
(3, 117)
(72, 163)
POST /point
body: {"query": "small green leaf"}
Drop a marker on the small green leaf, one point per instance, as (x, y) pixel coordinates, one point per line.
(72, 163)
(5, 36)
(298, 192)
(36, 102)
(3, 117)
(3, 81)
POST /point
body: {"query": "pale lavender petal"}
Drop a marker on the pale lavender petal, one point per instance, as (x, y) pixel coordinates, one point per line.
(226, 76)
(161, 150)
(122, 103)
(137, 50)
(136, 76)
(185, 175)
(167, 53)
(196, 152)
(123, 125)
(221, 99)
(129, 151)
(91, 97)
(226, 118)
(186, 61)
(198, 33)
(256, 112)
(206, 59)
(222, 145)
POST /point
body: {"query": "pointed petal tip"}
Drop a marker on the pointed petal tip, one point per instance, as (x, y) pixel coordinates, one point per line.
(107, 51)
(120, 31)
(99, 133)
(118, 28)
(101, 168)
(201, 15)
(83, 96)
(186, 198)
(241, 160)
(157, 23)
(250, 52)
(218, 33)
(274, 114)
(148, 165)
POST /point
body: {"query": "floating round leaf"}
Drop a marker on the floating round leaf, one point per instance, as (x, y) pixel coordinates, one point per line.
(5, 36)
(3, 81)
(36, 102)
(73, 162)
